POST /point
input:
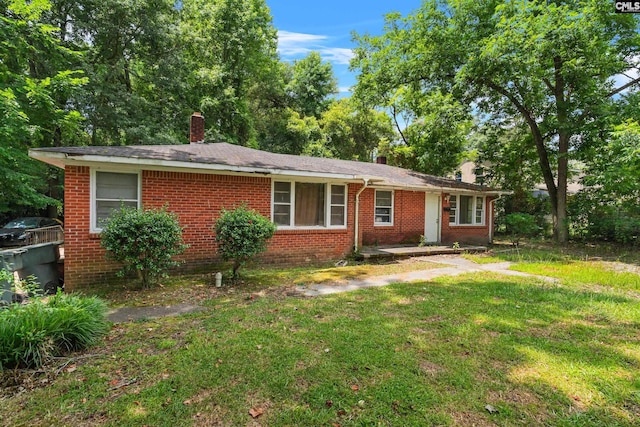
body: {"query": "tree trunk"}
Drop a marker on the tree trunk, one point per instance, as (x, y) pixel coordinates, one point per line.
(561, 228)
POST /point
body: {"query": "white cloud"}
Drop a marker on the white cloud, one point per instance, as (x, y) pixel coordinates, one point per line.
(344, 89)
(295, 45)
(339, 55)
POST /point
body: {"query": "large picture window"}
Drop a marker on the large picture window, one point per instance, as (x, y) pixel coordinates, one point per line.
(384, 208)
(309, 204)
(466, 210)
(111, 190)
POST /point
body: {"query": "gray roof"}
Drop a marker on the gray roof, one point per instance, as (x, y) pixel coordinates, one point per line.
(235, 156)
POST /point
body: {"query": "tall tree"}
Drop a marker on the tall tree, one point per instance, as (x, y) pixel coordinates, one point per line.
(311, 85)
(37, 80)
(550, 63)
(134, 64)
(230, 48)
(353, 132)
(434, 136)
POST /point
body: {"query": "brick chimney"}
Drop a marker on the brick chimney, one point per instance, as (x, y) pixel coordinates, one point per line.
(381, 160)
(196, 130)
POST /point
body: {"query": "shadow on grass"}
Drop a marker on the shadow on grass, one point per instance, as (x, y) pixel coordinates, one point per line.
(408, 354)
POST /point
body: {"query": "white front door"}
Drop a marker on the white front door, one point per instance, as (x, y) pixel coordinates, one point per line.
(431, 218)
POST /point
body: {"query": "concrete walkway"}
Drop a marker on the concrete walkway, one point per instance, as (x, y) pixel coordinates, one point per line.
(128, 314)
(455, 265)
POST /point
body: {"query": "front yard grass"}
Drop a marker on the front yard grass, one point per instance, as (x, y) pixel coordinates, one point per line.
(432, 353)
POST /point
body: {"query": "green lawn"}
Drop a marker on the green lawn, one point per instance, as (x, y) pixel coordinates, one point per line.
(434, 353)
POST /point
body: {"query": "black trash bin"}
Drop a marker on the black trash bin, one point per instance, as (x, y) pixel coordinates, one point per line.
(39, 261)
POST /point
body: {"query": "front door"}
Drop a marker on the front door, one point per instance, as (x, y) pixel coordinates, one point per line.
(431, 218)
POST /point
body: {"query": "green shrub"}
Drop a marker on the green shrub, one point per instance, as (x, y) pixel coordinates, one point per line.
(520, 225)
(627, 230)
(144, 241)
(241, 234)
(608, 220)
(30, 334)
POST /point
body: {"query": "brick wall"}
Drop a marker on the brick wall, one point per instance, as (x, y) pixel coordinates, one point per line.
(408, 221)
(474, 235)
(84, 258)
(197, 199)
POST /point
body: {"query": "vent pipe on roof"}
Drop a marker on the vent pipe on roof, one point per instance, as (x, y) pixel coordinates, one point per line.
(381, 160)
(196, 130)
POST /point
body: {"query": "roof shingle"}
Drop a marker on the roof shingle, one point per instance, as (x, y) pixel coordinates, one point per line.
(225, 154)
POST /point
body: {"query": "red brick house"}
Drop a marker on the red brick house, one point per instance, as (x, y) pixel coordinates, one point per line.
(324, 208)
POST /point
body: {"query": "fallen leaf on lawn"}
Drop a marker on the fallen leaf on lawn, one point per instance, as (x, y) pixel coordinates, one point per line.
(136, 402)
(335, 424)
(328, 403)
(355, 387)
(70, 368)
(256, 411)
(139, 351)
(187, 402)
(113, 382)
(491, 409)
(342, 413)
(259, 346)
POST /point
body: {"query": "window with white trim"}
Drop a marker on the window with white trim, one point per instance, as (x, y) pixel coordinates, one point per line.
(384, 208)
(309, 204)
(338, 205)
(111, 191)
(466, 210)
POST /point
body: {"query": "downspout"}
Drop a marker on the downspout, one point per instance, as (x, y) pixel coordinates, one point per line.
(492, 212)
(357, 219)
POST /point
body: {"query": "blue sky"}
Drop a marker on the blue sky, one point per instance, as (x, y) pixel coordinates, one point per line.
(326, 26)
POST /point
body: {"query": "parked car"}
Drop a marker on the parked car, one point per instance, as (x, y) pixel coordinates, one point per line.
(15, 232)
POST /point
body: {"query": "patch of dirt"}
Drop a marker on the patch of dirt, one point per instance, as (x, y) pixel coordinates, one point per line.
(621, 267)
(433, 319)
(471, 419)
(430, 368)
(516, 397)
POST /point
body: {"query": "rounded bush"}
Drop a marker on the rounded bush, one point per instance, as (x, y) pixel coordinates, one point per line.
(144, 241)
(241, 234)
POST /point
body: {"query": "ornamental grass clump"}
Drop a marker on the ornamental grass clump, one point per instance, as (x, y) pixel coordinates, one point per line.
(241, 234)
(33, 333)
(144, 241)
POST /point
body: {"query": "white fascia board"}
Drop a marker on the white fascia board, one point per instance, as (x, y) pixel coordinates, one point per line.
(467, 191)
(54, 159)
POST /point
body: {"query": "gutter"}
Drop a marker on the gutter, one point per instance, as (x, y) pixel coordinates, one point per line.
(357, 222)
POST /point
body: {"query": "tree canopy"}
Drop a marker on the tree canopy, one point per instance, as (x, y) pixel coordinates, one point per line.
(550, 64)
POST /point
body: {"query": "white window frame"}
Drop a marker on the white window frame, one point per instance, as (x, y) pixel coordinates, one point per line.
(375, 206)
(93, 214)
(474, 198)
(327, 205)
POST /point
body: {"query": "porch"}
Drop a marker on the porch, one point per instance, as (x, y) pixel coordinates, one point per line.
(405, 251)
